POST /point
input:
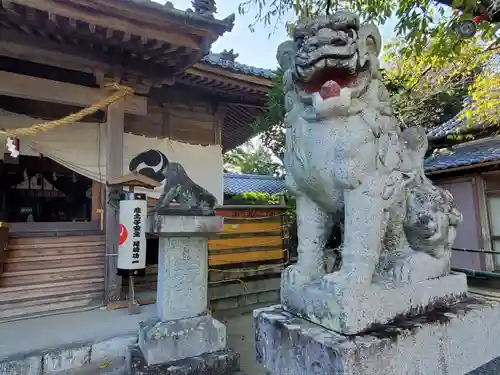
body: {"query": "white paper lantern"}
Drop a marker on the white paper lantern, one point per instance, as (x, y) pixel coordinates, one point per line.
(132, 236)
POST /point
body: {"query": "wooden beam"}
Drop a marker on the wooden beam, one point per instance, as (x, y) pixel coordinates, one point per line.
(27, 87)
(464, 168)
(148, 13)
(83, 59)
(484, 223)
(135, 27)
(41, 51)
(228, 88)
(220, 115)
(97, 194)
(199, 91)
(114, 168)
(133, 179)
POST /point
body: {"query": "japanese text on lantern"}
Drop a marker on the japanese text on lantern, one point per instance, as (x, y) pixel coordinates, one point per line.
(136, 235)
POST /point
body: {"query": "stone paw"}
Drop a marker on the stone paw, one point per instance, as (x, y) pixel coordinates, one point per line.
(419, 267)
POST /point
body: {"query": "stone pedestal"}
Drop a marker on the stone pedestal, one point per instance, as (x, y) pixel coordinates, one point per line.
(182, 277)
(173, 340)
(363, 307)
(183, 329)
(426, 328)
(457, 340)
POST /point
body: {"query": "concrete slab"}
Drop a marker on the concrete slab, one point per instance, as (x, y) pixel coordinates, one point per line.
(241, 338)
(67, 330)
(454, 340)
(66, 359)
(31, 365)
(118, 366)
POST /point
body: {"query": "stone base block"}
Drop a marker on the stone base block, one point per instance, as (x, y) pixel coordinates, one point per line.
(184, 226)
(163, 342)
(455, 340)
(364, 307)
(224, 362)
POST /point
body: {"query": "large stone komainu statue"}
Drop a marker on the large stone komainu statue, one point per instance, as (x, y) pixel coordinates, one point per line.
(394, 307)
(347, 156)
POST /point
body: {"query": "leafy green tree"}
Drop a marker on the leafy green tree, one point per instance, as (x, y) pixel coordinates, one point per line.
(417, 20)
(271, 125)
(430, 68)
(428, 89)
(255, 198)
(251, 159)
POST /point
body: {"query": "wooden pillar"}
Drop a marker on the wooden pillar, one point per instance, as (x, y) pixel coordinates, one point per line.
(483, 224)
(219, 116)
(97, 201)
(114, 168)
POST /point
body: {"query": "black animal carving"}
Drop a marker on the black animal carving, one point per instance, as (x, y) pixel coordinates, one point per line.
(192, 198)
(151, 163)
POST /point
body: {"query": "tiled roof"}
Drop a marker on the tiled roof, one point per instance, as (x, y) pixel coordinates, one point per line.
(454, 126)
(215, 59)
(469, 153)
(251, 183)
(447, 128)
(188, 16)
(458, 124)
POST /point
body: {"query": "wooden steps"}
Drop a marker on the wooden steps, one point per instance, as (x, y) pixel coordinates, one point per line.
(51, 273)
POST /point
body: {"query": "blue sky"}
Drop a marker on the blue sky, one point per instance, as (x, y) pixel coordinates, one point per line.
(255, 48)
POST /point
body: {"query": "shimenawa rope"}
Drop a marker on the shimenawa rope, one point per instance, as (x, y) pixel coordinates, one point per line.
(123, 91)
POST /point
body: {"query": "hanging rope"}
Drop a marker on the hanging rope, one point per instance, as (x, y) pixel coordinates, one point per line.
(122, 92)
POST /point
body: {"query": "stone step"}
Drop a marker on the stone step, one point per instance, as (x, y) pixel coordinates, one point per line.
(116, 366)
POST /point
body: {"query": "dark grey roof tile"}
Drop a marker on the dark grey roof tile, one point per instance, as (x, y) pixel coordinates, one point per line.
(235, 183)
(189, 16)
(215, 59)
(469, 153)
(455, 126)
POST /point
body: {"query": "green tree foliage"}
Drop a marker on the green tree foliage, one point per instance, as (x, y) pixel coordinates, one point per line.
(256, 198)
(271, 125)
(486, 96)
(417, 21)
(428, 89)
(251, 159)
(430, 68)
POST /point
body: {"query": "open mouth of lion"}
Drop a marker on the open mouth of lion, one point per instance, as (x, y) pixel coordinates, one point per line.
(332, 74)
(343, 77)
